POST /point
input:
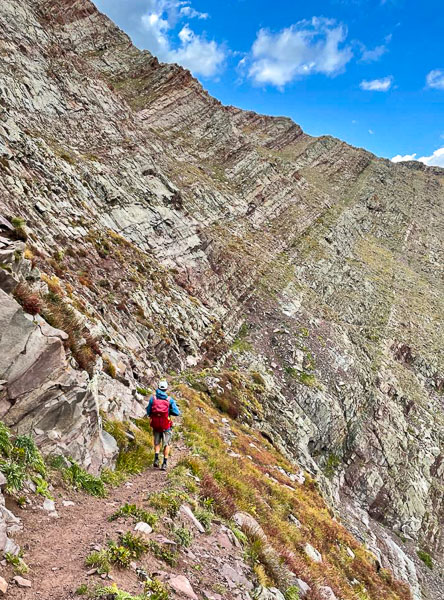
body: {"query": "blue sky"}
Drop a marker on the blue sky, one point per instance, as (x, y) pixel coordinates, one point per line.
(370, 72)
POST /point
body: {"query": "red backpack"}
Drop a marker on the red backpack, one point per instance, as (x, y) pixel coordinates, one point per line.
(160, 412)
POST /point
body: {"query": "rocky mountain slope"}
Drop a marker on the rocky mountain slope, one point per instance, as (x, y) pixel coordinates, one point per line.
(154, 230)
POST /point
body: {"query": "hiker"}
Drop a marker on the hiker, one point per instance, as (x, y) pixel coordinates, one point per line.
(160, 408)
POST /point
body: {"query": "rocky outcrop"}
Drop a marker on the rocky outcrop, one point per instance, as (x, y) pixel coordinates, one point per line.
(170, 221)
(42, 394)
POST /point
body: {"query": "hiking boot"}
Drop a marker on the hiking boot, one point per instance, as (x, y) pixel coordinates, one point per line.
(156, 462)
(164, 466)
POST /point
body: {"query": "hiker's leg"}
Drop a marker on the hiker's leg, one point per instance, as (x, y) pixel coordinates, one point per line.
(166, 448)
(157, 444)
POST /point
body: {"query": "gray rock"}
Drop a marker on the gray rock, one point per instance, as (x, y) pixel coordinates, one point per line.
(143, 528)
(263, 593)
(186, 512)
(312, 553)
(326, 593)
(236, 577)
(49, 505)
(303, 587)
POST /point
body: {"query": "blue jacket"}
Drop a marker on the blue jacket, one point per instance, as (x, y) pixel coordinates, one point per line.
(174, 411)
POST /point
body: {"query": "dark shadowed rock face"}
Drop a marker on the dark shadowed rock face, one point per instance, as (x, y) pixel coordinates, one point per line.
(171, 220)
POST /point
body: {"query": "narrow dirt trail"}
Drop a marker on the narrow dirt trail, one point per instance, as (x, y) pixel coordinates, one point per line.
(55, 548)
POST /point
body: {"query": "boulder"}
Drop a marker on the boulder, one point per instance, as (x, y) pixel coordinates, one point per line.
(143, 528)
(181, 585)
(303, 587)
(312, 553)
(43, 394)
(49, 505)
(263, 593)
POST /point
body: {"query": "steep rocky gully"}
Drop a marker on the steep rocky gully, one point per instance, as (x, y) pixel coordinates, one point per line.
(292, 289)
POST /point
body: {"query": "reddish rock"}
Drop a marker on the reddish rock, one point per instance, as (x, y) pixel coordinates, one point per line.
(181, 585)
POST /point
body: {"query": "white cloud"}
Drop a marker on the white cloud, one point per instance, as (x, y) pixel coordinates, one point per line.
(189, 49)
(371, 132)
(435, 79)
(400, 158)
(377, 85)
(376, 53)
(197, 54)
(435, 159)
(310, 46)
(191, 13)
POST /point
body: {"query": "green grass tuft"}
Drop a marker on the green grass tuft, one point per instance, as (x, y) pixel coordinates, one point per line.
(99, 560)
(5, 440)
(183, 536)
(20, 567)
(162, 552)
(82, 590)
(80, 479)
(119, 555)
(136, 544)
(426, 558)
(138, 514)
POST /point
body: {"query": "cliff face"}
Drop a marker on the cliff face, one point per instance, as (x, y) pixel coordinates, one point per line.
(173, 226)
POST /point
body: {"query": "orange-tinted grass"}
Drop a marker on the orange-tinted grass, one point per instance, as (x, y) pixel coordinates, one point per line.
(271, 502)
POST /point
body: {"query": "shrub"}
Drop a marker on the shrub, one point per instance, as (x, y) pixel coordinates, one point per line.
(109, 367)
(5, 440)
(112, 478)
(19, 225)
(162, 552)
(80, 479)
(156, 590)
(30, 301)
(138, 514)
(119, 555)
(26, 451)
(135, 445)
(183, 536)
(82, 590)
(332, 463)
(222, 501)
(168, 501)
(205, 517)
(20, 567)
(136, 544)
(33, 304)
(426, 558)
(142, 391)
(113, 593)
(99, 560)
(292, 593)
(15, 475)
